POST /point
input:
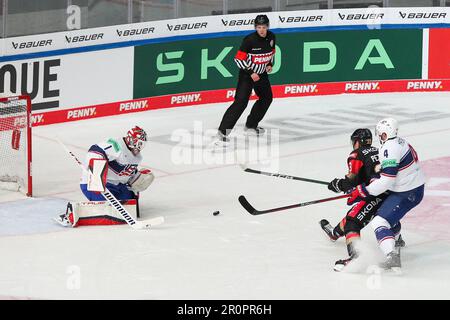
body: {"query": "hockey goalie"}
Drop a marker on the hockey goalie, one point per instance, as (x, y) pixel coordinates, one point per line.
(113, 164)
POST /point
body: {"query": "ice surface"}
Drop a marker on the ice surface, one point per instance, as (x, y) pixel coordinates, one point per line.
(30, 216)
(233, 255)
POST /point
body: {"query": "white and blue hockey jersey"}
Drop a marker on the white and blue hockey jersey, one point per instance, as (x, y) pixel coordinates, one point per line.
(400, 169)
(122, 163)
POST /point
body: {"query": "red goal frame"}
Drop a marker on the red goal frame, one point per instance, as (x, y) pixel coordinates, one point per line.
(29, 191)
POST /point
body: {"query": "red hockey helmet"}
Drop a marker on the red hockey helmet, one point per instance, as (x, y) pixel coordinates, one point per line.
(136, 139)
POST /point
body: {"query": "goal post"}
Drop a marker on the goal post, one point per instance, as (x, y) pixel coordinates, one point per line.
(15, 144)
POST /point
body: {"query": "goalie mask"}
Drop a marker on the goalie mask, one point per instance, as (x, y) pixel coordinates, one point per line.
(136, 139)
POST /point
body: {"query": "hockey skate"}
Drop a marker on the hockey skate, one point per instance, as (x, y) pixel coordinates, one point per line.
(393, 262)
(220, 141)
(258, 131)
(63, 219)
(341, 264)
(328, 229)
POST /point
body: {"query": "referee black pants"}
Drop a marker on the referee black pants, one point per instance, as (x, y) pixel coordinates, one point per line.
(243, 91)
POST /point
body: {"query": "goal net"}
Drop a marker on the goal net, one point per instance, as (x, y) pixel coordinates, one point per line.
(15, 144)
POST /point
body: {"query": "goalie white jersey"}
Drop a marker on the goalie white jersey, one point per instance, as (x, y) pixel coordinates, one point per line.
(122, 163)
(400, 169)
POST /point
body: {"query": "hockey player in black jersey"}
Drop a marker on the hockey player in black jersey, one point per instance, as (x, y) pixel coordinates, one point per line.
(363, 165)
(255, 61)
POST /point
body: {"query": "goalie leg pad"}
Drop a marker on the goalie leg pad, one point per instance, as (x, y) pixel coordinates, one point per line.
(94, 213)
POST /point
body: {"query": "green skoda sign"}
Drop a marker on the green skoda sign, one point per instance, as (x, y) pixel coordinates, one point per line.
(207, 64)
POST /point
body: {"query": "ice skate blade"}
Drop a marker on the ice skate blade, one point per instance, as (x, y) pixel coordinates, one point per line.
(254, 133)
(395, 271)
(62, 223)
(217, 145)
(339, 267)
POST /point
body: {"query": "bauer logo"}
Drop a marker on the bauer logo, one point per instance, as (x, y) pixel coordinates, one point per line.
(81, 113)
(298, 19)
(134, 32)
(422, 15)
(85, 38)
(310, 88)
(360, 16)
(362, 86)
(186, 98)
(135, 105)
(238, 22)
(424, 85)
(187, 26)
(31, 44)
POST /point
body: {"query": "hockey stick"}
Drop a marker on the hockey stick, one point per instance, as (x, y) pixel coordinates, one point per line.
(138, 211)
(247, 206)
(137, 225)
(284, 176)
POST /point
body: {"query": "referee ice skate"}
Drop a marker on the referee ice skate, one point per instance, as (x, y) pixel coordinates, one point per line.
(255, 60)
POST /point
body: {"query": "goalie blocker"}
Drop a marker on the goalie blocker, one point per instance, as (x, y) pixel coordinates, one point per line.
(97, 181)
(97, 211)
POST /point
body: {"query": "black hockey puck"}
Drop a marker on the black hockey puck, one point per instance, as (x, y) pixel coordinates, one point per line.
(215, 213)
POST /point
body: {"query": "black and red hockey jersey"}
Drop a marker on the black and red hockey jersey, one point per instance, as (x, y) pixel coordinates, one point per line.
(256, 53)
(362, 164)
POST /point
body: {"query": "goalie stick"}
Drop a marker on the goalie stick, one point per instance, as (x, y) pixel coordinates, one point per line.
(137, 225)
(247, 206)
(284, 176)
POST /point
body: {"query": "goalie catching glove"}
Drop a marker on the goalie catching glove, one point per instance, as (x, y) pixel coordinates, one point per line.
(141, 180)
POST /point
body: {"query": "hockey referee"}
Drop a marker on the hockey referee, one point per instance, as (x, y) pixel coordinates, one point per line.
(255, 60)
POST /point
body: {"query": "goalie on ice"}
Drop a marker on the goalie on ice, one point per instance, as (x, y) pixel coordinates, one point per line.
(112, 164)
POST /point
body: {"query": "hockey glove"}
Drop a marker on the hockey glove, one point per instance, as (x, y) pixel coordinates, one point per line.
(334, 185)
(141, 180)
(358, 194)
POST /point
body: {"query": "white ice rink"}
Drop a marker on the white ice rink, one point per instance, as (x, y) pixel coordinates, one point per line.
(234, 255)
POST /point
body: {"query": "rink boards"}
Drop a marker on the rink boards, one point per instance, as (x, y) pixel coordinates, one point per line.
(224, 95)
(83, 74)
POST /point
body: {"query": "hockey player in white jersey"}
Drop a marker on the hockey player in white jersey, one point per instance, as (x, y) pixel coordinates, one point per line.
(119, 173)
(402, 176)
